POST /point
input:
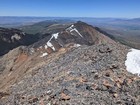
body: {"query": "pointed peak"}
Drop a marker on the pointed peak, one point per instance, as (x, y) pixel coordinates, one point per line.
(81, 23)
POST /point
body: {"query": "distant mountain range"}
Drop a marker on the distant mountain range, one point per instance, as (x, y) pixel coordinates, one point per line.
(127, 31)
(8, 21)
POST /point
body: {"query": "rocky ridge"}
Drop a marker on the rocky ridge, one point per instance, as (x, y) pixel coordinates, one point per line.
(80, 66)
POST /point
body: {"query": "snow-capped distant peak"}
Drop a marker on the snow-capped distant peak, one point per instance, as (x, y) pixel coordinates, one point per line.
(133, 61)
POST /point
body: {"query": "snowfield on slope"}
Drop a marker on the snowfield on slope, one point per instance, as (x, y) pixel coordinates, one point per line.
(132, 62)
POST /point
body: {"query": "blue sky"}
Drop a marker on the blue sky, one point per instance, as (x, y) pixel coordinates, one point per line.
(71, 8)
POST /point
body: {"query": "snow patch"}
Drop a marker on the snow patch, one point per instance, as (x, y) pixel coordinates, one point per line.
(72, 26)
(44, 54)
(71, 29)
(77, 45)
(15, 36)
(55, 35)
(78, 32)
(53, 48)
(133, 61)
(49, 44)
(31, 50)
(46, 46)
(23, 33)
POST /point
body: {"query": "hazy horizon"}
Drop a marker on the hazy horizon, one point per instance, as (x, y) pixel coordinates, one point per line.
(69, 17)
(71, 8)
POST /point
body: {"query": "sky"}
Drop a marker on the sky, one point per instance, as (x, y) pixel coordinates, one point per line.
(71, 8)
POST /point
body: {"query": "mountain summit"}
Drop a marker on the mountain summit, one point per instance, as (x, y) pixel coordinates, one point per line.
(76, 34)
(76, 65)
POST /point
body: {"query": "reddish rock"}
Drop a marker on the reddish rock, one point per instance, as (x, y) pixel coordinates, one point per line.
(49, 50)
(107, 84)
(65, 97)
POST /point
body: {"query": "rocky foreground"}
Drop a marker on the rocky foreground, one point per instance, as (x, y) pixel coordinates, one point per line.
(87, 75)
